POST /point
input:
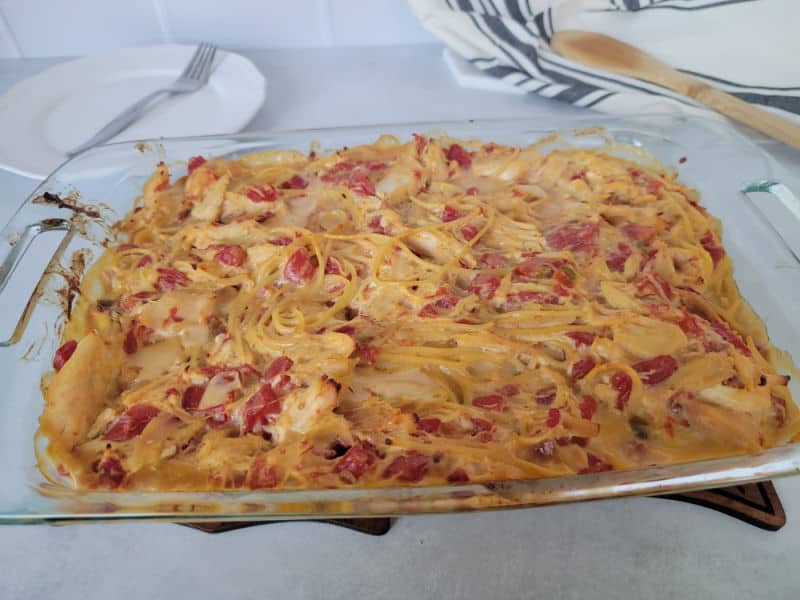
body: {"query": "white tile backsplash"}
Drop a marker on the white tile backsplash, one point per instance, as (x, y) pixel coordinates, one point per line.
(76, 27)
(245, 23)
(375, 23)
(73, 27)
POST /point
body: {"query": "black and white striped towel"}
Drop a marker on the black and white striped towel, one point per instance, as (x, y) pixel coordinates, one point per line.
(749, 48)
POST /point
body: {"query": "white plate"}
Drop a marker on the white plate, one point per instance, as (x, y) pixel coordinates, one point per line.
(45, 116)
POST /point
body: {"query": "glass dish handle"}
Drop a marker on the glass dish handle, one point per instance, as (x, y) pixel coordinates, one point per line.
(788, 200)
(12, 260)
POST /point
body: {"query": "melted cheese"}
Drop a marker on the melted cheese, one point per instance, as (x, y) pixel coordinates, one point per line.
(410, 313)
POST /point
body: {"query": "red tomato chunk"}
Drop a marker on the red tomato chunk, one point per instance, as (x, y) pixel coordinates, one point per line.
(64, 353)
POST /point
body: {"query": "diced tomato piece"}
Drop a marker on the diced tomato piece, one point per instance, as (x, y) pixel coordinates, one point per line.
(657, 369)
(265, 193)
(245, 371)
(447, 301)
(169, 278)
(588, 406)
(129, 344)
(195, 162)
(284, 385)
(261, 475)
(710, 245)
(338, 172)
(510, 389)
(429, 425)
(577, 238)
(131, 423)
(725, 332)
(595, 465)
(469, 232)
(472, 191)
(581, 338)
(563, 280)
(346, 329)
(296, 182)
(130, 301)
(515, 298)
(192, 396)
(641, 233)
(144, 261)
(277, 366)
(664, 285)
(485, 285)
(458, 476)
(538, 267)
(616, 260)
(261, 409)
(582, 367)
(411, 466)
(491, 260)
(284, 240)
(461, 156)
(449, 214)
(654, 186)
(299, 268)
(356, 461)
(479, 424)
(64, 353)
(622, 384)
(376, 226)
(688, 323)
(429, 311)
(432, 309)
(172, 317)
(231, 255)
(560, 290)
(361, 184)
(138, 335)
(553, 417)
(546, 396)
(110, 472)
(420, 143)
(332, 266)
(491, 402)
(579, 175)
(367, 355)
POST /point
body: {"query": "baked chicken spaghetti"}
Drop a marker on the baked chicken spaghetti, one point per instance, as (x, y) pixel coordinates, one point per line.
(408, 313)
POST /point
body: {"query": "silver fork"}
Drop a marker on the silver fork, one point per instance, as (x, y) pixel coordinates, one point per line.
(194, 76)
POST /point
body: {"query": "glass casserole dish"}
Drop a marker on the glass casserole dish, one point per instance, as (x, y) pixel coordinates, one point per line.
(720, 165)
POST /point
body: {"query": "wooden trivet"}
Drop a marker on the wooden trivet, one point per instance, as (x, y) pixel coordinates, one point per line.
(755, 503)
(377, 526)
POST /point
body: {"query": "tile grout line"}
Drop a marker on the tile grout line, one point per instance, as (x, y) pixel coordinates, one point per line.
(5, 29)
(163, 22)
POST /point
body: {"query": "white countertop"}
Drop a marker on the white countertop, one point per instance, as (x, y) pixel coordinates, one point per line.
(636, 548)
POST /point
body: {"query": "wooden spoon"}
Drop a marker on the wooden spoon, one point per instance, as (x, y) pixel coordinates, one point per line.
(609, 54)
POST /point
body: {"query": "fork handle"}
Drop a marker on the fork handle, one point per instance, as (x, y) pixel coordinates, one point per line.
(121, 122)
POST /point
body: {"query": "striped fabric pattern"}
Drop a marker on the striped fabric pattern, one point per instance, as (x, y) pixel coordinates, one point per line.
(745, 47)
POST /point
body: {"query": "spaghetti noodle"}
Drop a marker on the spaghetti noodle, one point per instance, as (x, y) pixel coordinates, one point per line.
(420, 313)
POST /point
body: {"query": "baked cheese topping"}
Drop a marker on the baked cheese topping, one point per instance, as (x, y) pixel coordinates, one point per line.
(408, 313)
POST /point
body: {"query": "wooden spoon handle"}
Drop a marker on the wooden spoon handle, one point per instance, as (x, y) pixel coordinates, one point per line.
(739, 110)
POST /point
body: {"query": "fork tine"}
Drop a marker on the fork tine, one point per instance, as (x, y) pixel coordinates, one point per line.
(206, 73)
(194, 60)
(198, 66)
